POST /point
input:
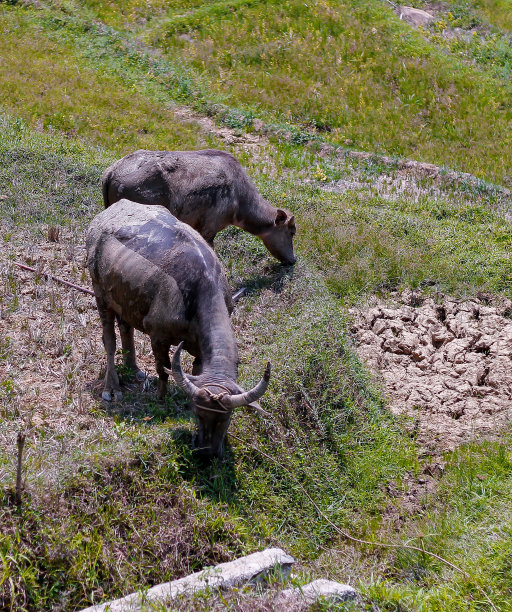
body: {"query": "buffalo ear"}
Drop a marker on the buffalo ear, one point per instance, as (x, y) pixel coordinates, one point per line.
(281, 216)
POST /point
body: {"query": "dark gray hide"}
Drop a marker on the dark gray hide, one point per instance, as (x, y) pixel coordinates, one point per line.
(208, 190)
(155, 274)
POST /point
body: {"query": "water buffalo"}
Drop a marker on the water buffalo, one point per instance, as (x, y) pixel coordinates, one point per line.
(206, 189)
(155, 274)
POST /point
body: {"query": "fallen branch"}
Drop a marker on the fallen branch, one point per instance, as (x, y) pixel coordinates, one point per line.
(55, 278)
(20, 441)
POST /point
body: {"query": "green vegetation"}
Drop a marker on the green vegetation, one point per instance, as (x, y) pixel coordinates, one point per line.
(390, 91)
(367, 242)
(115, 497)
(497, 12)
(46, 179)
(468, 521)
(50, 87)
(478, 12)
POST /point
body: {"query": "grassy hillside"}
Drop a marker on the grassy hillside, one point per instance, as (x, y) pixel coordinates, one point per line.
(115, 497)
(351, 71)
(143, 475)
(479, 12)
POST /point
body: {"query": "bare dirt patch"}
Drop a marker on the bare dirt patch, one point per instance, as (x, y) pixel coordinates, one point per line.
(228, 135)
(51, 359)
(445, 363)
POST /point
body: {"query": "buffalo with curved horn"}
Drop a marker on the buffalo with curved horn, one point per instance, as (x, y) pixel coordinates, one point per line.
(155, 274)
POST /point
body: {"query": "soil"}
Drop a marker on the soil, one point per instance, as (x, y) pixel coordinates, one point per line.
(445, 363)
(52, 357)
(228, 135)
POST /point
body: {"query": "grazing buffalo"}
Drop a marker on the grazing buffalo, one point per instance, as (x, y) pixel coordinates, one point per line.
(155, 274)
(205, 189)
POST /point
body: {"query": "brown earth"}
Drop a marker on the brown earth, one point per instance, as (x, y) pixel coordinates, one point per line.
(52, 357)
(445, 363)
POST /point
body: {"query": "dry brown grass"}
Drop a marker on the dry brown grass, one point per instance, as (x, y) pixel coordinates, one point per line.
(54, 356)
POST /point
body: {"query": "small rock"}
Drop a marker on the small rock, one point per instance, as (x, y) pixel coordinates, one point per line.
(504, 344)
(408, 342)
(500, 375)
(365, 336)
(439, 335)
(379, 327)
(436, 470)
(415, 17)
(486, 311)
(325, 150)
(334, 592)
(483, 344)
(457, 410)
(424, 321)
(393, 345)
(474, 374)
(456, 349)
(390, 313)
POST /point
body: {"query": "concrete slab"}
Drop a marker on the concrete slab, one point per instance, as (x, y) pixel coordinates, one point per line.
(308, 594)
(251, 569)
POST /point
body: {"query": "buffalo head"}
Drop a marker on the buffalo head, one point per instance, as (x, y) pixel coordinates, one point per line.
(279, 237)
(213, 402)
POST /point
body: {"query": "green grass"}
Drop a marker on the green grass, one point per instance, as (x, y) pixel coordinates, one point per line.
(468, 521)
(351, 71)
(365, 241)
(120, 522)
(497, 12)
(391, 90)
(47, 179)
(50, 87)
(479, 12)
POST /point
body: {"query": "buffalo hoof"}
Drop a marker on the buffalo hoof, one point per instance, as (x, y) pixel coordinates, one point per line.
(140, 376)
(107, 396)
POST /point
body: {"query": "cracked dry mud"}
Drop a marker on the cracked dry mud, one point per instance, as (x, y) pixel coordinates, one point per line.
(445, 363)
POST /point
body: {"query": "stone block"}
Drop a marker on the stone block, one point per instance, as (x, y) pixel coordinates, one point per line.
(251, 569)
(334, 592)
(416, 17)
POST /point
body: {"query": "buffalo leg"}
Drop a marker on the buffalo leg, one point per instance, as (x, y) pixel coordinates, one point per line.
(197, 367)
(111, 383)
(130, 359)
(161, 353)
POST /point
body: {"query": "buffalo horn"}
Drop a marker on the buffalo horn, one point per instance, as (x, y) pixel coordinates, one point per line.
(247, 398)
(179, 376)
